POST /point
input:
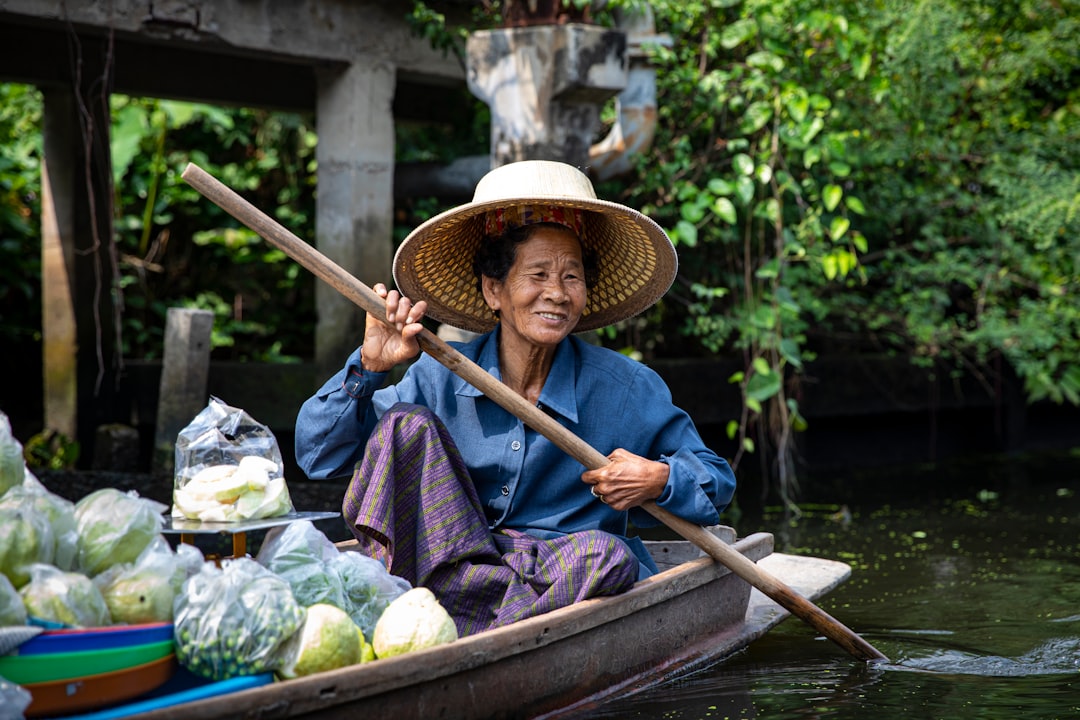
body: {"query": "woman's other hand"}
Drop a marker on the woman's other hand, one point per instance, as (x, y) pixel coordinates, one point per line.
(628, 480)
(386, 345)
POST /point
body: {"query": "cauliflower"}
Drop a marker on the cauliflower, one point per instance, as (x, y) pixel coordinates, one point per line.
(415, 620)
(327, 640)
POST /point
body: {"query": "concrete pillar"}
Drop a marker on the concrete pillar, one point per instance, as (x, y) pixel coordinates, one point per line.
(355, 201)
(58, 263)
(185, 372)
(545, 86)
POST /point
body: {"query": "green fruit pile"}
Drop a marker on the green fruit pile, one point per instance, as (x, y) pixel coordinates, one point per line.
(232, 620)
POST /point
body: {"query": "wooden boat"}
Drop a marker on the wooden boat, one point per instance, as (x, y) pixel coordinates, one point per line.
(693, 613)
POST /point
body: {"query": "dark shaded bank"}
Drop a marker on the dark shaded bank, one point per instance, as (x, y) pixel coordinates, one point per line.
(926, 484)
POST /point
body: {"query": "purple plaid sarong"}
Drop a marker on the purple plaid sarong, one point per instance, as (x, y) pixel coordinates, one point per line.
(412, 505)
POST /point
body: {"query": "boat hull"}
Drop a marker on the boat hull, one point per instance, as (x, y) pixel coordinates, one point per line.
(692, 614)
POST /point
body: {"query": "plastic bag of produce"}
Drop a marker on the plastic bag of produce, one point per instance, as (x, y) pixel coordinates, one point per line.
(300, 553)
(114, 528)
(14, 699)
(69, 598)
(228, 467)
(369, 588)
(33, 497)
(232, 620)
(143, 591)
(12, 465)
(12, 610)
(319, 573)
(26, 538)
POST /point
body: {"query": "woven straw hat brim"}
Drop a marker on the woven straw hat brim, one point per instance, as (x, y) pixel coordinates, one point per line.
(637, 262)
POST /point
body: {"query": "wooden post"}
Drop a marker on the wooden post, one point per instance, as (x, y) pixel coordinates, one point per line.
(185, 369)
(58, 328)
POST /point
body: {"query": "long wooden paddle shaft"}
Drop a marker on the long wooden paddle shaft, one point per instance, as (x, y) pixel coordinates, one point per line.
(581, 451)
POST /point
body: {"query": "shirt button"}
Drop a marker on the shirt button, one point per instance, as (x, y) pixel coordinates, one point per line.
(515, 446)
(505, 490)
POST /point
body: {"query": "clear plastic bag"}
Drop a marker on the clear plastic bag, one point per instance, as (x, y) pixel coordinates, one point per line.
(114, 528)
(68, 598)
(14, 699)
(300, 553)
(228, 468)
(319, 573)
(144, 591)
(12, 610)
(33, 497)
(231, 621)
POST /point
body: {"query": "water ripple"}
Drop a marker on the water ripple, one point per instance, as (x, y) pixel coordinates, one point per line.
(1054, 657)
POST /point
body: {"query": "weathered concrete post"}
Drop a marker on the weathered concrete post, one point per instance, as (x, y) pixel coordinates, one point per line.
(185, 370)
(546, 85)
(355, 209)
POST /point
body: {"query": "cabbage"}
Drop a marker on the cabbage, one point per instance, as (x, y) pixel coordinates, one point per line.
(25, 538)
(114, 527)
(12, 465)
(64, 597)
(413, 621)
(12, 610)
(328, 640)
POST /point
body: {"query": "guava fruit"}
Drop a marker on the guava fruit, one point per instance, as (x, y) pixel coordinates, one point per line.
(327, 640)
(25, 538)
(12, 609)
(12, 464)
(414, 621)
(139, 598)
(34, 498)
(70, 598)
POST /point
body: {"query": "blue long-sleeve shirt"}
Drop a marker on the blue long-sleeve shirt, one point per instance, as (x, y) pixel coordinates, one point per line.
(525, 481)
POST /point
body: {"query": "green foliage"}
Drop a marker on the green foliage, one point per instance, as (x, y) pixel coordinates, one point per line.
(869, 177)
(262, 302)
(20, 208)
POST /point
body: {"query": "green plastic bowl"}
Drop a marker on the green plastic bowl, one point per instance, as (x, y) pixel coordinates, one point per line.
(49, 667)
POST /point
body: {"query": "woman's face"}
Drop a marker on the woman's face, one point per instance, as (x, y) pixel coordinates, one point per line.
(543, 295)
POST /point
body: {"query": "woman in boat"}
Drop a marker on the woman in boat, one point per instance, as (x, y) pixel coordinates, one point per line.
(454, 492)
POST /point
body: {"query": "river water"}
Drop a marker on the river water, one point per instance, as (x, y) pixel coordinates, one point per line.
(967, 578)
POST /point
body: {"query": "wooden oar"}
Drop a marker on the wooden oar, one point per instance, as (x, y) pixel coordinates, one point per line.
(581, 451)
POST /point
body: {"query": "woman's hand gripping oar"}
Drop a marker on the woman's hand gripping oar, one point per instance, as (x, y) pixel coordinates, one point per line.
(430, 343)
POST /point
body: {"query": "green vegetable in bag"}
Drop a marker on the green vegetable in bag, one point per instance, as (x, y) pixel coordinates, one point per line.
(232, 620)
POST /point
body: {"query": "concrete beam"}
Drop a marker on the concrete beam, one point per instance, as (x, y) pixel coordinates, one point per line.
(309, 32)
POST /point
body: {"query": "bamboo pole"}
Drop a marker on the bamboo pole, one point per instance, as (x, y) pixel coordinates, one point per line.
(368, 300)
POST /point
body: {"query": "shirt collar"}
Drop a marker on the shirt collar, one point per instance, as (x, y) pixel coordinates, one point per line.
(560, 390)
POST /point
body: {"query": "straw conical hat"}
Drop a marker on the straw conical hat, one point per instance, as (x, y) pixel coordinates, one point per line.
(637, 260)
